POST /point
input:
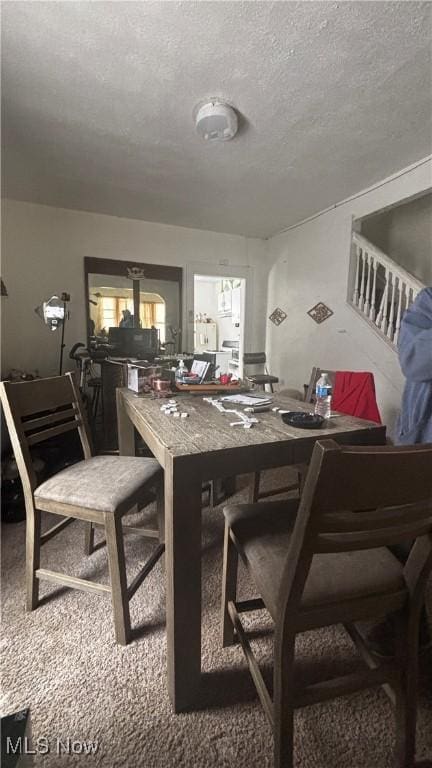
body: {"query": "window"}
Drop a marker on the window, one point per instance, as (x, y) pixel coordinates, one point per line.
(160, 321)
(152, 313)
(108, 314)
(123, 304)
(111, 309)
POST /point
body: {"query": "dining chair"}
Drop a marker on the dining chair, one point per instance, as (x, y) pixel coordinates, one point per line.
(99, 490)
(256, 493)
(259, 379)
(325, 560)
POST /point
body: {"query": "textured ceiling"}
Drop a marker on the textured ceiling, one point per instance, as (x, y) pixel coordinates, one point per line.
(99, 96)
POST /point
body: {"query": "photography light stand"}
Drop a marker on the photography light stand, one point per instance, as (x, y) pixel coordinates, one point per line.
(65, 297)
(54, 313)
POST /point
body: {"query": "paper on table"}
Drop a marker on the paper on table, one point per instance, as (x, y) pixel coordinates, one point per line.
(246, 400)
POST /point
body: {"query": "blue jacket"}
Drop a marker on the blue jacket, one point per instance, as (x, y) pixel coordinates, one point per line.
(415, 356)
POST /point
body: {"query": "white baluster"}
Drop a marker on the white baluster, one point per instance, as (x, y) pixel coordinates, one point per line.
(356, 280)
(390, 329)
(381, 320)
(369, 260)
(372, 311)
(401, 286)
(362, 285)
(407, 296)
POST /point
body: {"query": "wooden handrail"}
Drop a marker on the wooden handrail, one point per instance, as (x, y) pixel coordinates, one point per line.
(386, 261)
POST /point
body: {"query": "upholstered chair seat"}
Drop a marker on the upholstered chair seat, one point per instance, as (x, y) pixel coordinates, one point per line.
(104, 483)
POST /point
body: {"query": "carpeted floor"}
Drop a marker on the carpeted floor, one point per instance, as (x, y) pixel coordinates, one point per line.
(62, 661)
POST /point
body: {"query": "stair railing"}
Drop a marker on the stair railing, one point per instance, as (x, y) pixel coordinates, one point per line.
(381, 290)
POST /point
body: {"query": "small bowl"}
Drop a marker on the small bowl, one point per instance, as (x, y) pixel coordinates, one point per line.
(303, 420)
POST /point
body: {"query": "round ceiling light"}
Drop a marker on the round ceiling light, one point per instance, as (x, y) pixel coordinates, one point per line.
(216, 121)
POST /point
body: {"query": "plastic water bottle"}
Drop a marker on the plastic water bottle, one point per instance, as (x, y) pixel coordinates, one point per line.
(180, 372)
(323, 396)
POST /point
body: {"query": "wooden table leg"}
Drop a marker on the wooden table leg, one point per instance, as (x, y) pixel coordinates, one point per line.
(126, 433)
(183, 574)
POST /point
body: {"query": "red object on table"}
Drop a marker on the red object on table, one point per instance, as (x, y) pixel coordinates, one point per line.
(354, 394)
(225, 378)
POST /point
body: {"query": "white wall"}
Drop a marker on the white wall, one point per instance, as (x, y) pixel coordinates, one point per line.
(43, 251)
(311, 264)
(206, 299)
(227, 331)
(405, 234)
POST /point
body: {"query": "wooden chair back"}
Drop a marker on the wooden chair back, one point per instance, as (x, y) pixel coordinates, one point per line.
(315, 375)
(38, 410)
(361, 498)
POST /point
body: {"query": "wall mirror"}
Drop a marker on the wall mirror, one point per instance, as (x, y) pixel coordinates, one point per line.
(123, 294)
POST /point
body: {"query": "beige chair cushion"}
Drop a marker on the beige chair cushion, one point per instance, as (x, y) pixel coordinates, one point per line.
(263, 532)
(104, 483)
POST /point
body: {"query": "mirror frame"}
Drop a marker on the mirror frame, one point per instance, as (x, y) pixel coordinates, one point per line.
(120, 268)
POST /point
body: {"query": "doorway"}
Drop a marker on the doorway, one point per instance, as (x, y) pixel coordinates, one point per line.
(219, 311)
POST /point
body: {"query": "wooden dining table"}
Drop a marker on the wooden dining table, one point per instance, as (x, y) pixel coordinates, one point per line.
(202, 447)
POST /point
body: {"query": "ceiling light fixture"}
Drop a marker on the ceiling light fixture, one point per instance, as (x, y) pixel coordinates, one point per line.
(216, 121)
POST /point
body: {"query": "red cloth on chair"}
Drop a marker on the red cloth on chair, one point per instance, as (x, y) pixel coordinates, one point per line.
(354, 394)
